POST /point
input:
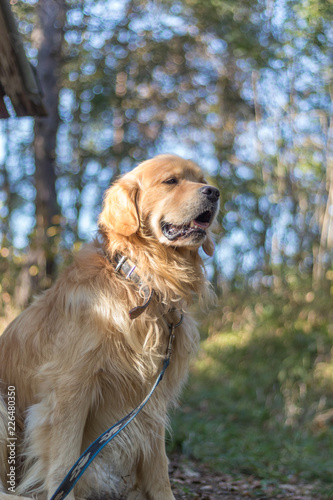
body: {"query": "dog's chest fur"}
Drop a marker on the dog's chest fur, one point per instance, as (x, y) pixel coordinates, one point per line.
(117, 394)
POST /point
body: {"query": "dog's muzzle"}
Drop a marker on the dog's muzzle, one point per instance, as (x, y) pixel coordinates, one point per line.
(195, 228)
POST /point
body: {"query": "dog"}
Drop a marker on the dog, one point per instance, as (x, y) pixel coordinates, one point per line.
(88, 350)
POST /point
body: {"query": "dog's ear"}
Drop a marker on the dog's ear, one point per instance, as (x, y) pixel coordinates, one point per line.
(119, 209)
(208, 245)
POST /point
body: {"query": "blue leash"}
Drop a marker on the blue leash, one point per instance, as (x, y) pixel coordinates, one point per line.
(92, 451)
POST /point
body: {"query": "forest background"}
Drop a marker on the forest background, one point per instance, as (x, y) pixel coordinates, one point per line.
(244, 89)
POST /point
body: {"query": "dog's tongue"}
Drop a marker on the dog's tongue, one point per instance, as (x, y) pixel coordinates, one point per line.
(200, 225)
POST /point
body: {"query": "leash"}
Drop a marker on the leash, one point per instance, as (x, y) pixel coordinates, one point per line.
(92, 451)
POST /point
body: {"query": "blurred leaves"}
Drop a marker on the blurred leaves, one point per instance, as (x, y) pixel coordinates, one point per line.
(243, 89)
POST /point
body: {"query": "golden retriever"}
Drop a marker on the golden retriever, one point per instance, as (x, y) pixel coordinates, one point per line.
(74, 362)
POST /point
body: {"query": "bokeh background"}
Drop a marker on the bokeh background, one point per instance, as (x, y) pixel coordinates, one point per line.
(244, 89)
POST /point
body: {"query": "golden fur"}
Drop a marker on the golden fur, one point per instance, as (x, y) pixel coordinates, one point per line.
(79, 364)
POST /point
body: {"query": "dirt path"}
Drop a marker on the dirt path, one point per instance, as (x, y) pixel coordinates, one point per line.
(194, 481)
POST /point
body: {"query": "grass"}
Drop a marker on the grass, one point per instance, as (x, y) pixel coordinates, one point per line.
(260, 396)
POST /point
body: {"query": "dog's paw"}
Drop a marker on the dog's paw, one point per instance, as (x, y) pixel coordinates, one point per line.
(160, 495)
(136, 495)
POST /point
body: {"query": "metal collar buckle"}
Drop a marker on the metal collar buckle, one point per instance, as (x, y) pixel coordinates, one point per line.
(126, 268)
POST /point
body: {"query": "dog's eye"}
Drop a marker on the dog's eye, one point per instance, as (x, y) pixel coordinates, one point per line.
(172, 180)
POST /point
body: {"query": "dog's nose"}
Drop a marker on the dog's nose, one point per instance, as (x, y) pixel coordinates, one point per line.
(211, 192)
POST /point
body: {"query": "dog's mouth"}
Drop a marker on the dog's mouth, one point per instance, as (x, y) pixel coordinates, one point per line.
(197, 227)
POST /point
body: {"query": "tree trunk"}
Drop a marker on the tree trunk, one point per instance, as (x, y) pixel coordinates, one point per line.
(323, 257)
(40, 264)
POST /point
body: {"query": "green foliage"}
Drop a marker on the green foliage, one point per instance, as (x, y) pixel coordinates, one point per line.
(242, 88)
(260, 396)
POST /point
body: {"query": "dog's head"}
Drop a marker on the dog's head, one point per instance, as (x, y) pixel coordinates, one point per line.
(166, 198)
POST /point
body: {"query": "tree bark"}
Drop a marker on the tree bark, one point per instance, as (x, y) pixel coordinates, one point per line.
(40, 264)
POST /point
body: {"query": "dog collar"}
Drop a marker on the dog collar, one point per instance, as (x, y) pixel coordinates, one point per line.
(124, 267)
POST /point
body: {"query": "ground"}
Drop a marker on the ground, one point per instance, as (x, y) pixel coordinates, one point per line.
(195, 481)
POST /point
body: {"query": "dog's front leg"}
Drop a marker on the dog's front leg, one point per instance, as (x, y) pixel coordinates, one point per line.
(66, 439)
(54, 436)
(153, 472)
